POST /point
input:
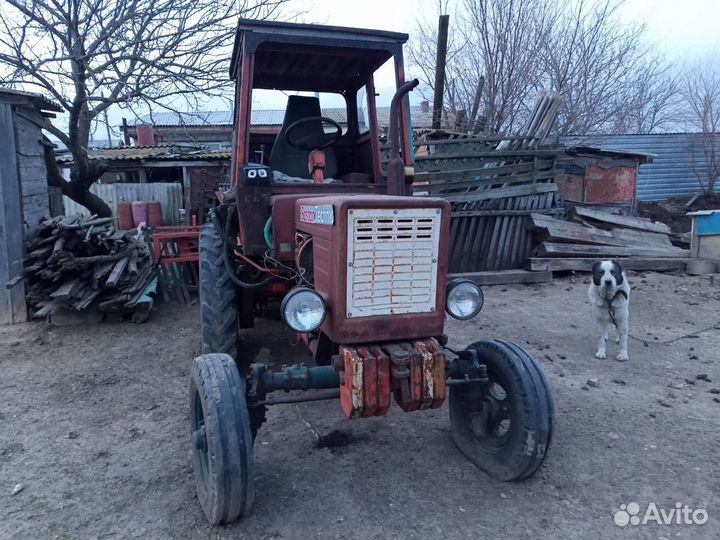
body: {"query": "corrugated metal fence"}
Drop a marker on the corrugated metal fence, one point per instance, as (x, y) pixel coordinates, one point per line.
(169, 194)
(679, 160)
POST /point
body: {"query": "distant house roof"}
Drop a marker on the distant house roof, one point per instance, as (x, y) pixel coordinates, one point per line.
(169, 152)
(271, 117)
(22, 97)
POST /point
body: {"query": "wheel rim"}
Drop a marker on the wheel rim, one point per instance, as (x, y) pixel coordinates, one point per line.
(492, 425)
(199, 436)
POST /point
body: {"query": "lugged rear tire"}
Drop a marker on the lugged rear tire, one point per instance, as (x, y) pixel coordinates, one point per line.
(218, 297)
(513, 441)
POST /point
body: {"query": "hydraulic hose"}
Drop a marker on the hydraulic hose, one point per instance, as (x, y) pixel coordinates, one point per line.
(229, 268)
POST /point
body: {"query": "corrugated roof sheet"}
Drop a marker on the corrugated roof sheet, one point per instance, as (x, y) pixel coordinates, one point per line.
(674, 172)
(271, 117)
(169, 152)
(38, 100)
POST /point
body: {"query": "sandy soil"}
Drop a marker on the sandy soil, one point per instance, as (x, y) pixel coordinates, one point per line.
(94, 423)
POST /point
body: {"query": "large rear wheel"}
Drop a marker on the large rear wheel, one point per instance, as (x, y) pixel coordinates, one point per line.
(218, 296)
(222, 443)
(506, 428)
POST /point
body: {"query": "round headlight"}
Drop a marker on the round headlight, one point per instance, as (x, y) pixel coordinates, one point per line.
(464, 299)
(303, 309)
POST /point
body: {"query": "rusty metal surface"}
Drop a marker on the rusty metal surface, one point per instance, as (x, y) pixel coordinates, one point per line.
(610, 185)
(413, 372)
(352, 396)
(678, 160)
(330, 263)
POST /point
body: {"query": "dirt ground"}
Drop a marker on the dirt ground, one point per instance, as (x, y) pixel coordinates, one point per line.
(94, 422)
(673, 212)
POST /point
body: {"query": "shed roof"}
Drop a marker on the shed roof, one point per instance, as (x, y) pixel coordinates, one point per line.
(271, 117)
(29, 98)
(642, 157)
(169, 152)
(291, 56)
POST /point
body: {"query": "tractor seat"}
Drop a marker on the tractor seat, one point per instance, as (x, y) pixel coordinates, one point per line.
(293, 161)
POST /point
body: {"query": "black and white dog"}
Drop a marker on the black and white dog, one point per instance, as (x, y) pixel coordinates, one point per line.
(609, 295)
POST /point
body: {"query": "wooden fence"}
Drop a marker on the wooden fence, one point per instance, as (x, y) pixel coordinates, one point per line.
(492, 187)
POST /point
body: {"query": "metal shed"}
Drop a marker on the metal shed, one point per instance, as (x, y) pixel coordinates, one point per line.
(679, 160)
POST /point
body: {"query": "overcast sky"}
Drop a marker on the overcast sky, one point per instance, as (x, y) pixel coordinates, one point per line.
(679, 27)
(683, 30)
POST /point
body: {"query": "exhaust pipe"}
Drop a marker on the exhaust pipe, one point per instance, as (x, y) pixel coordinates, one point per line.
(396, 165)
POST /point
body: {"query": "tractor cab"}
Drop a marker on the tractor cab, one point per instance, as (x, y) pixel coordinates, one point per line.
(317, 150)
(337, 148)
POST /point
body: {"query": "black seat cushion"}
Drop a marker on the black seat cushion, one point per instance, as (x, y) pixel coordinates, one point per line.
(293, 161)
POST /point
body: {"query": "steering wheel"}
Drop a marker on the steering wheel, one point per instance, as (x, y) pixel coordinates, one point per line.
(303, 143)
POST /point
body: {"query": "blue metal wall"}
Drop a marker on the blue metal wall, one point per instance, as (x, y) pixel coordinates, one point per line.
(679, 159)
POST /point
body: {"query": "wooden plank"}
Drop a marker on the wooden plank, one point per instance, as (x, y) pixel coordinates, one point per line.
(12, 301)
(559, 231)
(578, 250)
(623, 221)
(584, 264)
(483, 182)
(117, 271)
(502, 193)
(500, 155)
(518, 212)
(505, 277)
(441, 177)
(67, 290)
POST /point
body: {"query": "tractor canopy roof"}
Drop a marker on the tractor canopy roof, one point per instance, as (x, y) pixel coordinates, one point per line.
(311, 57)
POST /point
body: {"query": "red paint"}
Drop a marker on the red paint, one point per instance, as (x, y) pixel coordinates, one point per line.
(125, 217)
(154, 214)
(316, 166)
(610, 185)
(145, 135)
(370, 386)
(139, 213)
(174, 244)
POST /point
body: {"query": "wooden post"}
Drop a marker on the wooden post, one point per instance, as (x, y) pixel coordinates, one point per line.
(12, 301)
(440, 70)
(187, 195)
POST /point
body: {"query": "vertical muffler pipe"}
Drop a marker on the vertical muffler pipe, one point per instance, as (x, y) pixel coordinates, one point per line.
(396, 164)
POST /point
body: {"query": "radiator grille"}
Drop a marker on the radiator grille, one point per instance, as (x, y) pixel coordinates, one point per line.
(392, 261)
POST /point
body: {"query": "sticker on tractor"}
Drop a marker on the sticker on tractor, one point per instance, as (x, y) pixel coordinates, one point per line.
(321, 214)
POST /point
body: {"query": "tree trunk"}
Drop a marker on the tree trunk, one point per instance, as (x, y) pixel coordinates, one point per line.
(78, 188)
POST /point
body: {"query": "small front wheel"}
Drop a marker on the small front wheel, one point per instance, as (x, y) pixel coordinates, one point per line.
(222, 442)
(506, 427)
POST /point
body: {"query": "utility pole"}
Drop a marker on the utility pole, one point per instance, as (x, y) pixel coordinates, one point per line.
(442, 39)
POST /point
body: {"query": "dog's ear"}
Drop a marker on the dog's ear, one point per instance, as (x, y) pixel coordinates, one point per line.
(596, 272)
(618, 271)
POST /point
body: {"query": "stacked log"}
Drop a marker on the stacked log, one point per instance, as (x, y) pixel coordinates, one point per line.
(592, 235)
(77, 262)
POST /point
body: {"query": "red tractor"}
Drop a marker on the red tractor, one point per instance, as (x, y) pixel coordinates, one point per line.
(321, 225)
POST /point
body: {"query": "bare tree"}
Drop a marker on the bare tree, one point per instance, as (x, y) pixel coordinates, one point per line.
(701, 92)
(608, 76)
(92, 54)
(491, 55)
(651, 102)
(606, 73)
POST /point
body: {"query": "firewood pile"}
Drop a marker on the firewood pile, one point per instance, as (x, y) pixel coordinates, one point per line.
(77, 262)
